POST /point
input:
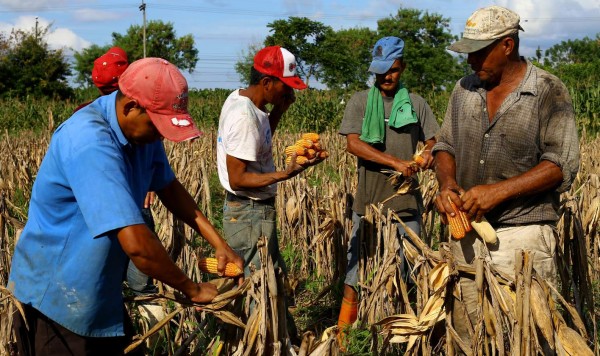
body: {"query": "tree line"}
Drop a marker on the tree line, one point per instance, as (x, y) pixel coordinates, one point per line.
(336, 58)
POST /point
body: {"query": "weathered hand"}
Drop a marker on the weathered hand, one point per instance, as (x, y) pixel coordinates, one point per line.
(480, 199)
(149, 200)
(427, 160)
(442, 201)
(407, 168)
(225, 254)
(205, 293)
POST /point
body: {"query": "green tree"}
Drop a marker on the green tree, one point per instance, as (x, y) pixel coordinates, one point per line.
(302, 37)
(575, 62)
(344, 58)
(584, 50)
(242, 67)
(426, 37)
(161, 41)
(29, 67)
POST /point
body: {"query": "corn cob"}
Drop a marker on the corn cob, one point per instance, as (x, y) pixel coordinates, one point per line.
(323, 154)
(459, 223)
(299, 159)
(418, 159)
(299, 150)
(209, 265)
(317, 146)
(304, 143)
(311, 136)
(485, 230)
(310, 153)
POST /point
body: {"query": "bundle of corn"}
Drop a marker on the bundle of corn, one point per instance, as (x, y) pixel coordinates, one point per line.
(306, 148)
(314, 224)
(266, 330)
(383, 289)
(219, 306)
(516, 315)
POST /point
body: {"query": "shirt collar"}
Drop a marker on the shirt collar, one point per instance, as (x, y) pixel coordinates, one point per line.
(527, 85)
(109, 103)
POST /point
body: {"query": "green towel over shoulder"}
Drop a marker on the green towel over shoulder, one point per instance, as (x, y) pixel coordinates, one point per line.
(403, 113)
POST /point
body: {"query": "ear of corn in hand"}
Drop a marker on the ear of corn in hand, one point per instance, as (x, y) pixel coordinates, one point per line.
(304, 143)
(459, 223)
(299, 159)
(299, 150)
(311, 136)
(306, 148)
(418, 159)
(485, 230)
(209, 265)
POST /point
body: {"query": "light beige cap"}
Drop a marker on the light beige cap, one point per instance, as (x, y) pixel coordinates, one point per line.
(485, 26)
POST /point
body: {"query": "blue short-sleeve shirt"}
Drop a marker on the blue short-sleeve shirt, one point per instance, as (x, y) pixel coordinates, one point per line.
(68, 262)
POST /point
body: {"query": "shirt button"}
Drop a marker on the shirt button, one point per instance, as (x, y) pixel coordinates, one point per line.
(487, 135)
(481, 161)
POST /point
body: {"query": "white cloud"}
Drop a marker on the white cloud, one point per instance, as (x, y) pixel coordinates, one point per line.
(30, 5)
(93, 15)
(57, 38)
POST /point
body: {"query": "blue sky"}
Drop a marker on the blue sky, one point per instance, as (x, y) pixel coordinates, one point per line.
(224, 29)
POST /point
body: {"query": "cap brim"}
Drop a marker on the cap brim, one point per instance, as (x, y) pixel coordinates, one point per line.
(175, 128)
(381, 67)
(294, 82)
(466, 45)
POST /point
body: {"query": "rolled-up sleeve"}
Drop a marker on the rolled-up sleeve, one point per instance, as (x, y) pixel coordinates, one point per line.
(559, 139)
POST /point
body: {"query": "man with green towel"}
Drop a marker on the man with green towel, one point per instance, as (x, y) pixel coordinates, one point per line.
(382, 127)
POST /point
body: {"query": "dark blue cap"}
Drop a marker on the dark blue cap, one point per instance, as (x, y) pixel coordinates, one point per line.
(385, 52)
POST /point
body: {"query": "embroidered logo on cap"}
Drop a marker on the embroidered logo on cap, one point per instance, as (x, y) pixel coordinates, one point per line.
(180, 122)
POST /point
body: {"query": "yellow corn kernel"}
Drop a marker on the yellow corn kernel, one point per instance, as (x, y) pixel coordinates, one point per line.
(299, 150)
(310, 153)
(459, 224)
(418, 159)
(209, 265)
(314, 137)
(456, 227)
(317, 146)
(299, 159)
(304, 143)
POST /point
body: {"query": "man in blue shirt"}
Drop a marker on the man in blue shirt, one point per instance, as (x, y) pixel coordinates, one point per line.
(85, 223)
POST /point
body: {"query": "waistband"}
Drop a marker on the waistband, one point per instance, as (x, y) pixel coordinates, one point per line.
(238, 198)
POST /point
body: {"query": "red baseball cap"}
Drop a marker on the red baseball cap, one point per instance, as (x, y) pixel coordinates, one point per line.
(278, 62)
(107, 69)
(160, 88)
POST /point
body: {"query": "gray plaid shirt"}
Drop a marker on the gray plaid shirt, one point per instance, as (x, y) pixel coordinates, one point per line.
(534, 123)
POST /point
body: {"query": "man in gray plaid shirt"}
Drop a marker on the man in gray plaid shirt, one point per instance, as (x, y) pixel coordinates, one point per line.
(507, 149)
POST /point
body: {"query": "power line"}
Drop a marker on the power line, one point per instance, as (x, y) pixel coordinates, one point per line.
(257, 13)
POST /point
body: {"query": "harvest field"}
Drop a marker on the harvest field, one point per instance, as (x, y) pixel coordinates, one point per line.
(519, 313)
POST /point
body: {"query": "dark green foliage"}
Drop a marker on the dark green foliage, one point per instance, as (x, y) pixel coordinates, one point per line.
(577, 64)
(29, 68)
(161, 41)
(344, 58)
(302, 37)
(340, 59)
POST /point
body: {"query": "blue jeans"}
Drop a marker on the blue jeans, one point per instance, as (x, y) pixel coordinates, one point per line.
(244, 222)
(136, 279)
(413, 223)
